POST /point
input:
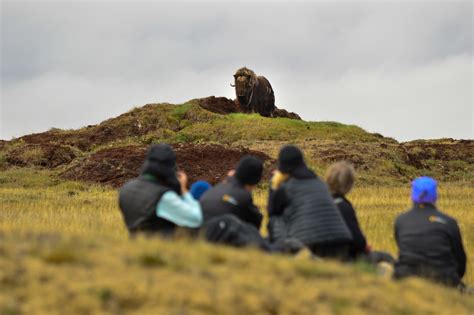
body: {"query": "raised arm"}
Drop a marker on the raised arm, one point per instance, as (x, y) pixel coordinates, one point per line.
(183, 211)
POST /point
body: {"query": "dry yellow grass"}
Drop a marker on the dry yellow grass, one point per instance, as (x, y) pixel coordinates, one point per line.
(64, 250)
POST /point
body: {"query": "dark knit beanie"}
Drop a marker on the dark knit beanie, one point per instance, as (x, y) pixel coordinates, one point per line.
(249, 170)
(162, 153)
(289, 159)
(160, 161)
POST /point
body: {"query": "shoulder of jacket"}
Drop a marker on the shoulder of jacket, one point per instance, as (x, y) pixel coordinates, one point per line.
(170, 195)
(404, 216)
(449, 220)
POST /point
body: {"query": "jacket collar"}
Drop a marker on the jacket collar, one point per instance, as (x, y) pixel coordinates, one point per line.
(234, 180)
(303, 172)
(424, 206)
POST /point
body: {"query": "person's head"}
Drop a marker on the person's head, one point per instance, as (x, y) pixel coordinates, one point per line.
(423, 190)
(340, 178)
(249, 171)
(199, 188)
(289, 159)
(160, 162)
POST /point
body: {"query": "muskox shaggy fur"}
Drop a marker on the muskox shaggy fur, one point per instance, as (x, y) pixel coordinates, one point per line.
(254, 93)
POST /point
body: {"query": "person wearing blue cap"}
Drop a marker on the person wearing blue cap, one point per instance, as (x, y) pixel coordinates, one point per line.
(429, 241)
(199, 188)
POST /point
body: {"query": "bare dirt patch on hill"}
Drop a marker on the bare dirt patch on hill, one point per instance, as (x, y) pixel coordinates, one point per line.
(115, 166)
(223, 105)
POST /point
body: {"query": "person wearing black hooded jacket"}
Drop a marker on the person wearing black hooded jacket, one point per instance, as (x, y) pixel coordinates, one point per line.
(301, 207)
(158, 200)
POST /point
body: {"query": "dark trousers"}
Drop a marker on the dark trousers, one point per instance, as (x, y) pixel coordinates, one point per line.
(228, 229)
(375, 257)
(448, 279)
(339, 251)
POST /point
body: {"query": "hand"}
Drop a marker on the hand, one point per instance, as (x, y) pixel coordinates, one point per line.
(368, 249)
(231, 173)
(183, 181)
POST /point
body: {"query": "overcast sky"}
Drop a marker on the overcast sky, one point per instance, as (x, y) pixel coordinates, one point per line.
(402, 69)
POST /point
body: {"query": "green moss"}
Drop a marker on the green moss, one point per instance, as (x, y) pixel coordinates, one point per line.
(235, 127)
(179, 112)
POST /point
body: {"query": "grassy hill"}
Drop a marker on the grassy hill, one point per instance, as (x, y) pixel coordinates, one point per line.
(64, 249)
(378, 160)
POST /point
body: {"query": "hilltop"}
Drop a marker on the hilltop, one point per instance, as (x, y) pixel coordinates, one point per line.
(211, 134)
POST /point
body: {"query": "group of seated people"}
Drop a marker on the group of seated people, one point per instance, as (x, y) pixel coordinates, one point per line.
(305, 213)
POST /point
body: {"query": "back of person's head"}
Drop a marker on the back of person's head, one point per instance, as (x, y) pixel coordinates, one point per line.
(340, 178)
(289, 159)
(160, 161)
(424, 190)
(199, 188)
(249, 170)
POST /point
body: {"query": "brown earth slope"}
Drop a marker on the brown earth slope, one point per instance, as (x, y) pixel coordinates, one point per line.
(114, 166)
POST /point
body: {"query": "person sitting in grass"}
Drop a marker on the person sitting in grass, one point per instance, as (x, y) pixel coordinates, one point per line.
(230, 216)
(158, 200)
(340, 178)
(429, 241)
(234, 194)
(301, 207)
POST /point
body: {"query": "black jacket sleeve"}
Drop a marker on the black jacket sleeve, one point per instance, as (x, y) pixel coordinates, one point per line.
(458, 249)
(352, 223)
(277, 201)
(250, 213)
(395, 232)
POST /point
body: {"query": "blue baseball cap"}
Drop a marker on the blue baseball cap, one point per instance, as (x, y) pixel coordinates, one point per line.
(199, 188)
(423, 190)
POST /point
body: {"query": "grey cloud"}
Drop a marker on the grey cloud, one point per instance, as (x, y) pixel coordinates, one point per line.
(72, 64)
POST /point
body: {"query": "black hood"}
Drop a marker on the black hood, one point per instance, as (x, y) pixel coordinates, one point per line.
(160, 163)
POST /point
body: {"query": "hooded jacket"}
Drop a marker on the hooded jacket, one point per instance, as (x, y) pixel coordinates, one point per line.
(230, 197)
(139, 197)
(303, 208)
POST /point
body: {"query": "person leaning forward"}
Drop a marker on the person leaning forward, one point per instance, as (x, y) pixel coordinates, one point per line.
(234, 194)
(158, 201)
(301, 207)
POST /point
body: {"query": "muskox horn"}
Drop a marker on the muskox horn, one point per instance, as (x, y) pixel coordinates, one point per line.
(232, 85)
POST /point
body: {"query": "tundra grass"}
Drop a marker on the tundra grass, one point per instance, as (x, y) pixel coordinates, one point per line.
(234, 127)
(64, 250)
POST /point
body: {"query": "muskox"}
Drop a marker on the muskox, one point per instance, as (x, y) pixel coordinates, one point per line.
(254, 93)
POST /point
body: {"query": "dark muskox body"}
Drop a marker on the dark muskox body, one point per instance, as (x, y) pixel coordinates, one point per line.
(254, 93)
